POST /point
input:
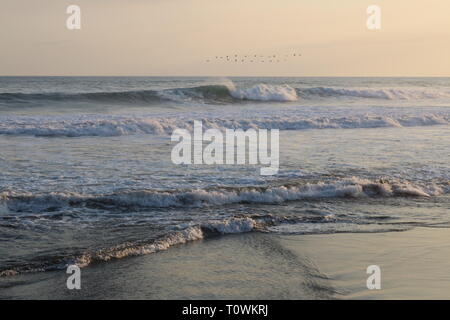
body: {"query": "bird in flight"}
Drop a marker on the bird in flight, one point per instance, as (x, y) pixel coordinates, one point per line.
(269, 58)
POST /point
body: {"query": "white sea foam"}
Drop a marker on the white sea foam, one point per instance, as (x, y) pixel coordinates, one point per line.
(351, 187)
(129, 249)
(264, 92)
(376, 93)
(188, 234)
(235, 225)
(123, 125)
(223, 90)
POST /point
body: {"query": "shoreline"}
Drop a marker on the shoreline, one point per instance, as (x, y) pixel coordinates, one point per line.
(262, 266)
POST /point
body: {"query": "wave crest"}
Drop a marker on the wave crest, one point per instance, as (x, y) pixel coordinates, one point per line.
(292, 191)
(187, 234)
(265, 92)
(121, 125)
(212, 94)
(219, 93)
(373, 93)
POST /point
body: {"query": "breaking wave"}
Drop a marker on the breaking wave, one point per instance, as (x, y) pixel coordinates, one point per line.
(181, 235)
(191, 231)
(381, 93)
(225, 92)
(292, 191)
(176, 237)
(265, 92)
(79, 126)
(212, 94)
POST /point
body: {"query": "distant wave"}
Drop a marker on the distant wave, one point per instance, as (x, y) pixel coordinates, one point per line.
(213, 94)
(373, 93)
(264, 92)
(107, 126)
(291, 191)
(226, 93)
(125, 96)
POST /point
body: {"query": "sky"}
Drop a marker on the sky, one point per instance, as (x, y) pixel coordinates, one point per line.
(178, 37)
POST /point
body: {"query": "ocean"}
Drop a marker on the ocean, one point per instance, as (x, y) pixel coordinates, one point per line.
(86, 174)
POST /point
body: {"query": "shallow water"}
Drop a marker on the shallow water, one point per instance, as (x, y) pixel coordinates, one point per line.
(257, 265)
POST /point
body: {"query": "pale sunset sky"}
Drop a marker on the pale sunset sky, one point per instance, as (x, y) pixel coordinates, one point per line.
(176, 37)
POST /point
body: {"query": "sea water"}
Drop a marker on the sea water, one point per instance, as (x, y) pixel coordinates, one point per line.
(86, 172)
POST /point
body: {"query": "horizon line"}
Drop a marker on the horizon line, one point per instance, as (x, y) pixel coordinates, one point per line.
(205, 76)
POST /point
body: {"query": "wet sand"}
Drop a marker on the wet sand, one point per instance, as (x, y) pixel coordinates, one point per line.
(414, 264)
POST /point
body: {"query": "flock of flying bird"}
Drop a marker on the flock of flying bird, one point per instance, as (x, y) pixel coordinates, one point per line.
(255, 58)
